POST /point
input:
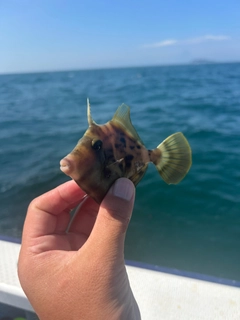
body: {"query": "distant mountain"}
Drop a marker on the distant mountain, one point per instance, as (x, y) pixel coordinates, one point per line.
(202, 61)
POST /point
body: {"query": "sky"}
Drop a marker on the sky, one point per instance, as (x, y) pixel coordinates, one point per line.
(52, 35)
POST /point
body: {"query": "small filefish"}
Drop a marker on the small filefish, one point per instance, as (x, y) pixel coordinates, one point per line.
(113, 150)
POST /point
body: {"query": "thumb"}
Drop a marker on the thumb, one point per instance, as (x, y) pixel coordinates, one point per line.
(113, 217)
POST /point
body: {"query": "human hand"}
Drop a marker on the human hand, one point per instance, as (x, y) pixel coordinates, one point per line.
(80, 274)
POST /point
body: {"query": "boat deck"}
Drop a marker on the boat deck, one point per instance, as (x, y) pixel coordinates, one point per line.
(160, 295)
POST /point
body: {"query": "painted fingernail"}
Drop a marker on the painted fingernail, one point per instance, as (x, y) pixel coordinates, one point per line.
(123, 188)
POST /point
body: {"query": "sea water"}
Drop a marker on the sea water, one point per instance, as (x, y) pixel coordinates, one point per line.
(194, 226)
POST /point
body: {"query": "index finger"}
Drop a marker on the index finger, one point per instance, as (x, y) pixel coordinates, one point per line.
(45, 210)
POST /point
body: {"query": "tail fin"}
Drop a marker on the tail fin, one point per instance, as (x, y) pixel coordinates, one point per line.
(175, 159)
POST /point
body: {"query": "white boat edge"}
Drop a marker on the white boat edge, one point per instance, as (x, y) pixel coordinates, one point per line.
(160, 292)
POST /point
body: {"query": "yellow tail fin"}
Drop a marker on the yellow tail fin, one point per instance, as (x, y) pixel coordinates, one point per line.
(175, 159)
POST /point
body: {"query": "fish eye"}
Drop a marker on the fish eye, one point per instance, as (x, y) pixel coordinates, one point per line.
(97, 144)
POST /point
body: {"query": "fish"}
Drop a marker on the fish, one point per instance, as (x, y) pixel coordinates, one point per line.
(114, 150)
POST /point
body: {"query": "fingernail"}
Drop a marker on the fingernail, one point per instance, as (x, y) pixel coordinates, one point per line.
(123, 188)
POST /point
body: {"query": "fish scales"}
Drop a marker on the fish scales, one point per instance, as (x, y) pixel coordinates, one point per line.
(113, 150)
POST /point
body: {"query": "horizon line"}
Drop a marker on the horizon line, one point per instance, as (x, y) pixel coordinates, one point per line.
(194, 62)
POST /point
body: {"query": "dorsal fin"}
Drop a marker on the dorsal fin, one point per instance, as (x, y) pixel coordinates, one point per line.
(89, 116)
(122, 118)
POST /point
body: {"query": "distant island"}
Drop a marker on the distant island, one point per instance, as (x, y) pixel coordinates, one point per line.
(202, 61)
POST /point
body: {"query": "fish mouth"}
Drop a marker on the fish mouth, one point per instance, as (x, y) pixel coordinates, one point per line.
(66, 166)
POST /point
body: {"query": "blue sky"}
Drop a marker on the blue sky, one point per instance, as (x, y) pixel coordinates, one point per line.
(42, 35)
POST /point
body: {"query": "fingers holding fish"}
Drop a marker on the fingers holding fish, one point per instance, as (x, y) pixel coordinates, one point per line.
(85, 218)
(49, 213)
(113, 219)
(104, 225)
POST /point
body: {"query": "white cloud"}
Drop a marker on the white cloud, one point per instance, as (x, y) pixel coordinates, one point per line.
(165, 43)
(217, 38)
(206, 38)
(172, 42)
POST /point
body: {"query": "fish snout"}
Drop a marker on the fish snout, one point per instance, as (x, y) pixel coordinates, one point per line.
(67, 165)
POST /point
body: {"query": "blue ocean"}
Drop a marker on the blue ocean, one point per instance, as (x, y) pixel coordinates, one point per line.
(193, 226)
